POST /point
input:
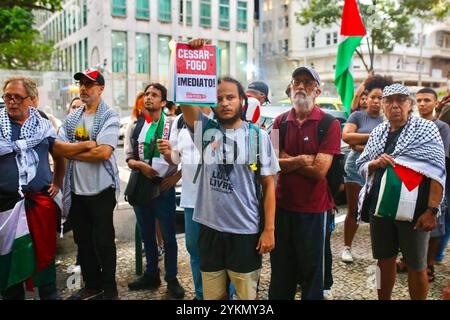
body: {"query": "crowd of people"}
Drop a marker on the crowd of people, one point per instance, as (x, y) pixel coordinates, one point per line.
(245, 192)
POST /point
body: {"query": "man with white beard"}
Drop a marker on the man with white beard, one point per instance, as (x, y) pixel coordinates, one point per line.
(307, 140)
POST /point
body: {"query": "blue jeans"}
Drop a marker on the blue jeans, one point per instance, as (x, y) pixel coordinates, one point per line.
(192, 231)
(445, 238)
(163, 209)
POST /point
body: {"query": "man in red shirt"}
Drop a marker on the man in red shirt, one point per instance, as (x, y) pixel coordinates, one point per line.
(302, 192)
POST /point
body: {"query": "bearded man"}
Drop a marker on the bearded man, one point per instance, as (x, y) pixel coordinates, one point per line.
(302, 193)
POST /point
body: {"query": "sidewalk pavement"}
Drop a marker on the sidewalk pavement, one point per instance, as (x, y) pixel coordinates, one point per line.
(351, 281)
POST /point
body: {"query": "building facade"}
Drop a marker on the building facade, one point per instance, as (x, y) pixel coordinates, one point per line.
(285, 44)
(129, 39)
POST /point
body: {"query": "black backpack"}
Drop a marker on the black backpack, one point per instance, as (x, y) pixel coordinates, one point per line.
(335, 175)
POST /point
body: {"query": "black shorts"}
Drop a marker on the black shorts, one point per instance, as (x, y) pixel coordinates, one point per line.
(228, 251)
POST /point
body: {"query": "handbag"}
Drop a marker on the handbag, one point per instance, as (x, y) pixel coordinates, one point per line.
(140, 190)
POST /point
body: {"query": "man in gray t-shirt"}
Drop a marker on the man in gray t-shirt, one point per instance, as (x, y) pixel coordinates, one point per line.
(91, 186)
(231, 240)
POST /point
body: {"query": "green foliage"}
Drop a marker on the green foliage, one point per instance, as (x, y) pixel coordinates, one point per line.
(49, 5)
(387, 22)
(21, 46)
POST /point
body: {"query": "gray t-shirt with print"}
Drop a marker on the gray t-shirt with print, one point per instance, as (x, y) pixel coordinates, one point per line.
(226, 199)
(90, 178)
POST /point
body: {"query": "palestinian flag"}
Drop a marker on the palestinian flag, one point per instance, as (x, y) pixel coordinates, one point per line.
(399, 193)
(352, 32)
(17, 258)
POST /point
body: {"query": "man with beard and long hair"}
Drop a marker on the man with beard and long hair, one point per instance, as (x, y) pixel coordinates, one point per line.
(303, 199)
(232, 238)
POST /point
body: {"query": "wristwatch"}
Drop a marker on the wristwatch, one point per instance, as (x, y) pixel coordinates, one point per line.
(433, 210)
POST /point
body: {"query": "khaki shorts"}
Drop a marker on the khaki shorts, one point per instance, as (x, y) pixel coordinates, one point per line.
(215, 284)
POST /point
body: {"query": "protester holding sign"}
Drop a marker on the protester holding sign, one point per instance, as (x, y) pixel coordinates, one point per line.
(144, 157)
(232, 237)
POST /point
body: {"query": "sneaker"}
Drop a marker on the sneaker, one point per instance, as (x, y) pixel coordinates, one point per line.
(347, 255)
(175, 289)
(147, 281)
(87, 294)
(328, 295)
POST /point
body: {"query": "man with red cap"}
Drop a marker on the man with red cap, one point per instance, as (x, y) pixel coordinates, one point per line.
(91, 186)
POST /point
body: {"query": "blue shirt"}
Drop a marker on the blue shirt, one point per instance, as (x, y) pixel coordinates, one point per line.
(9, 178)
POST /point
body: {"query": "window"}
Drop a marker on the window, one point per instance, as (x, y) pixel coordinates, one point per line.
(286, 22)
(119, 51)
(65, 24)
(280, 45)
(286, 46)
(120, 92)
(80, 55)
(307, 42)
(163, 59)
(119, 8)
(335, 37)
(84, 13)
(142, 53)
(75, 60)
(86, 62)
(328, 39)
(205, 13)
(224, 58)
(70, 60)
(142, 9)
(189, 12)
(241, 66)
(313, 41)
(264, 48)
(164, 13)
(224, 14)
(69, 28)
(242, 16)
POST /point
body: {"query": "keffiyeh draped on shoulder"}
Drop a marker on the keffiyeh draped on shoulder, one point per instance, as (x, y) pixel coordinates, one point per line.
(33, 131)
(419, 147)
(105, 123)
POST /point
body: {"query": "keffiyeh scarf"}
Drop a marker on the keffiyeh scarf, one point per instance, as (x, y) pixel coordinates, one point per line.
(419, 148)
(33, 131)
(104, 117)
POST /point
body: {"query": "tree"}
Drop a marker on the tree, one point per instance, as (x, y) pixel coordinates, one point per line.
(387, 22)
(22, 47)
(49, 5)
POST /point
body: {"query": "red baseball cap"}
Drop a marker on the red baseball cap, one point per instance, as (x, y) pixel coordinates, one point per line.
(91, 74)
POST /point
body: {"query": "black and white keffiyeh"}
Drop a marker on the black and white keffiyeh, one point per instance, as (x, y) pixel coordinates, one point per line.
(34, 130)
(419, 147)
(105, 122)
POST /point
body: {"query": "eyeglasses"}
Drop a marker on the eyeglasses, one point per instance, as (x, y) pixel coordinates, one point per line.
(13, 97)
(401, 100)
(307, 83)
(87, 84)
